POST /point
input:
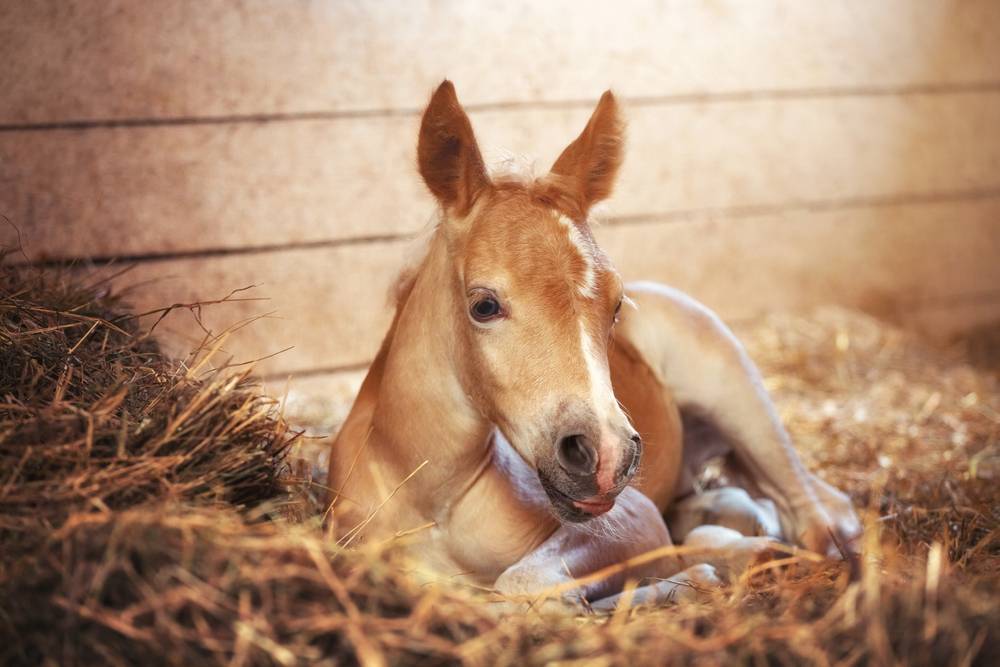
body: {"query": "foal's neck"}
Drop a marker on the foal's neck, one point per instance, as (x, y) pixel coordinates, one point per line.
(413, 425)
(422, 412)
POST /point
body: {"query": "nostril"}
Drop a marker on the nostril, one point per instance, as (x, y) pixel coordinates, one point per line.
(576, 455)
(633, 465)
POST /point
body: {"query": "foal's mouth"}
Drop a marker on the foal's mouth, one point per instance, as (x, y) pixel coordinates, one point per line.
(571, 509)
(594, 506)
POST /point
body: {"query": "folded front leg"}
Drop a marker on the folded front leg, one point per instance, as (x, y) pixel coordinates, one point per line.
(632, 529)
(681, 587)
(728, 551)
(728, 506)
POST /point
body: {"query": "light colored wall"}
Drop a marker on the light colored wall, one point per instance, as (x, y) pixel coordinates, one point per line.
(781, 154)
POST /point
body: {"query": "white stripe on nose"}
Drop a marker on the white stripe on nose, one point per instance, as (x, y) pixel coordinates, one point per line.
(588, 287)
(602, 397)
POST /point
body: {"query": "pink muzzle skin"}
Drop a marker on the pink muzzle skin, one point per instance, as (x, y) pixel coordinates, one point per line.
(594, 505)
(605, 477)
(607, 466)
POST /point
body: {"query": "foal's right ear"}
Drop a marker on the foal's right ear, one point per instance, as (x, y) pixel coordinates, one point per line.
(447, 153)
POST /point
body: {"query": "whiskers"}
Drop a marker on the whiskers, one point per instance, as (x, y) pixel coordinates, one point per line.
(610, 526)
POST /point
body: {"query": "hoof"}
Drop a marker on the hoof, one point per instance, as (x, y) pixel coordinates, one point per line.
(695, 581)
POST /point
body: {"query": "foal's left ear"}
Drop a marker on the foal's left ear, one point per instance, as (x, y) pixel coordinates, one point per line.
(448, 154)
(585, 172)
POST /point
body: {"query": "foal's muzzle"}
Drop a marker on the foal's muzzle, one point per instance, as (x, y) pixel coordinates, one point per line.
(582, 486)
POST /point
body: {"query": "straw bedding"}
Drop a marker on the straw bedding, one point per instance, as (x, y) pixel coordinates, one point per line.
(148, 514)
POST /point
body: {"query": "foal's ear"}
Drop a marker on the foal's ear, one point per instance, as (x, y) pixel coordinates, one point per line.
(447, 153)
(585, 172)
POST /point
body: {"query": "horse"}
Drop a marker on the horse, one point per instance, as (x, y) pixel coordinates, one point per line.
(529, 419)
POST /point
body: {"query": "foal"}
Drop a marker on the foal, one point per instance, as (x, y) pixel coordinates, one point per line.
(530, 419)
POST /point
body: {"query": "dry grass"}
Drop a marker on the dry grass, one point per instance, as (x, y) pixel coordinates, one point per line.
(144, 517)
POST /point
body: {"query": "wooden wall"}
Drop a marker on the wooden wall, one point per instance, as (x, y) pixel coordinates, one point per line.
(781, 154)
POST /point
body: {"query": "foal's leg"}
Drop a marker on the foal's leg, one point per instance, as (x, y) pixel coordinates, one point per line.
(681, 587)
(729, 551)
(730, 507)
(634, 527)
(695, 356)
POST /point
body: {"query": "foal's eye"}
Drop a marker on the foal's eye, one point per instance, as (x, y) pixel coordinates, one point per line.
(485, 309)
(618, 308)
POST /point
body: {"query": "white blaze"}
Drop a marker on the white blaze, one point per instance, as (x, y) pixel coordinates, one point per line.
(601, 397)
(600, 382)
(588, 287)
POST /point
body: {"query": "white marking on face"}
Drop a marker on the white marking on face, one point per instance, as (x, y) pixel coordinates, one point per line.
(588, 288)
(600, 382)
(601, 396)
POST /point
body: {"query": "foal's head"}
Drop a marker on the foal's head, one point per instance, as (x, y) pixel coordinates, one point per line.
(535, 302)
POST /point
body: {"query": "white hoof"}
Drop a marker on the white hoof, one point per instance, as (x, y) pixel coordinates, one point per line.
(730, 552)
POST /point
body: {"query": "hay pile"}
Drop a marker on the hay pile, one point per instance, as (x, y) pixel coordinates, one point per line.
(147, 516)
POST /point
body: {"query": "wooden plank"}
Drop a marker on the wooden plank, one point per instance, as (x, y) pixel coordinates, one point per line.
(331, 303)
(330, 306)
(182, 189)
(70, 60)
(136, 191)
(885, 261)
